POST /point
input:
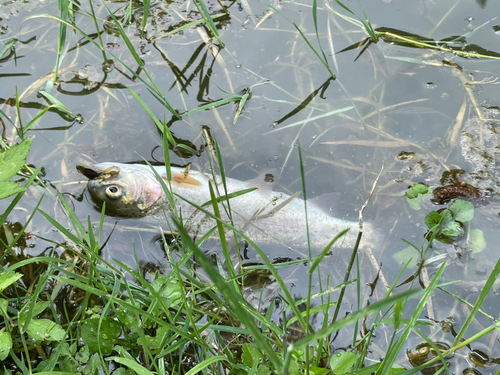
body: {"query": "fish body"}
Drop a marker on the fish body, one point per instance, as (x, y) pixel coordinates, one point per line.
(265, 216)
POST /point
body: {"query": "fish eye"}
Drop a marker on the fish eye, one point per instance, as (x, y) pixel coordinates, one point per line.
(113, 192)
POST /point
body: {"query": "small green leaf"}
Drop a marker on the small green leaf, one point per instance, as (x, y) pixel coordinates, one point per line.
(416, 194)
(37, 309)
(250, 355)
(416, 190)
(477, 241)
(264, 370)
(452, 229)
(83, 354)
(342, 363)
(318, 371)
(45, 329)
(108, 332)
(168, 287)
(13, 159)
(432, 219)
(124, 317)
(405, 255)
(463, 210)
(121, 371)
(396, 369)
(93, 365)
(154, 342)
(5, 344)
(132, 365)
(7, 278)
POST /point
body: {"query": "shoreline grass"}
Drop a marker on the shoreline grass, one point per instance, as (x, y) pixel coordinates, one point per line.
(85, 314)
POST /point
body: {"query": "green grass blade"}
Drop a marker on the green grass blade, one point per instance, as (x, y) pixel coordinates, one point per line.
(145, 14)
(8, 45)
(327, 114)
(391, 356)
(233, 299)
(215, 104)
(480, 299)
(207, 362)
(323, 61)
(208, 19)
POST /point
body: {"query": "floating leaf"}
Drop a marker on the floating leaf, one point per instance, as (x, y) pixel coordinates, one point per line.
(5, 344)
(416, 190)
(341, 363)
(477, 241)
(432, 219)
(452, 229)
(405, 255)
(463, 210)
(416, 194)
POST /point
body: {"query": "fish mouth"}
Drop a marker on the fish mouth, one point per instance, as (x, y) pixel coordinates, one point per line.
(96, 173)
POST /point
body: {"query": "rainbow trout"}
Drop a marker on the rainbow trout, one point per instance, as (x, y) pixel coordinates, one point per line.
(265, 216)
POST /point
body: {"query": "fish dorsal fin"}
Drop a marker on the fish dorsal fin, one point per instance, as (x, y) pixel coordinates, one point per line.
(264, 181)
(183, 180)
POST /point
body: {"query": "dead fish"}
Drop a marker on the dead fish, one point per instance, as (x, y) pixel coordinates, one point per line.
(265, 216)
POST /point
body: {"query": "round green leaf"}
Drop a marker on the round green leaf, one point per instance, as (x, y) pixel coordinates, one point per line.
(415, 195)
(416, 190)
(45, 329)
(108, 332)
(463, 210)
(432, 219)
(341, 363)
(477, 241)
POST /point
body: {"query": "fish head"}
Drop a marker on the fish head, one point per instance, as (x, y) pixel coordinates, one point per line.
(127, 190)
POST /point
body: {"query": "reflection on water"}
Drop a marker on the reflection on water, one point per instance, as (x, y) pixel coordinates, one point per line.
(415, 129)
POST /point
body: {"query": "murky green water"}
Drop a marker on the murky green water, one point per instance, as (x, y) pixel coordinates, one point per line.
(405, 99)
